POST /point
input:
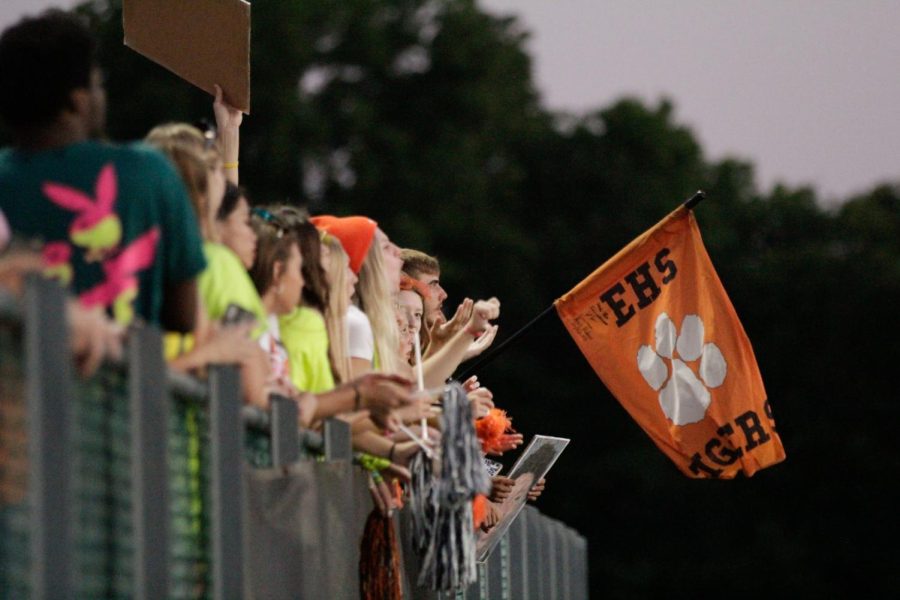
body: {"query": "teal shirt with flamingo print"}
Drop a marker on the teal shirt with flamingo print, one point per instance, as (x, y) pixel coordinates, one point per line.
(114, 222)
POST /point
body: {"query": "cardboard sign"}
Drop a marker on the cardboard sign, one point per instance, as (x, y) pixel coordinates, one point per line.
(532, 466)
(205, 42)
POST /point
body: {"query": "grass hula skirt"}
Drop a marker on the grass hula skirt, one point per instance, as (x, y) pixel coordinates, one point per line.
(441, 497)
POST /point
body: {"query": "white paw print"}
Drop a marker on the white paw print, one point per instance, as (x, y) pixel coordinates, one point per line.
(682, 396)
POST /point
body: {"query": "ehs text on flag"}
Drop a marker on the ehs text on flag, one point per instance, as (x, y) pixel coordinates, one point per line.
(659, 330)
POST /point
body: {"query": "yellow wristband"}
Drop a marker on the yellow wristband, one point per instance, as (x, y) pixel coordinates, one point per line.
(231, 165)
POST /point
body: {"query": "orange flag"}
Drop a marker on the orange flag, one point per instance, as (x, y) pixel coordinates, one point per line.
(662, 335)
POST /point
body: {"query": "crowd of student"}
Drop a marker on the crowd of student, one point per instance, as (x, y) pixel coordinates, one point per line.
(326, 310)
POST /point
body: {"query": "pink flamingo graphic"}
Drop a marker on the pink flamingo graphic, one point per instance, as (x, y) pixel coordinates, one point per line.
(96, 228)
(121, 285)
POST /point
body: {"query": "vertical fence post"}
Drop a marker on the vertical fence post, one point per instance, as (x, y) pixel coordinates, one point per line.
(535, 552)
(226, 480)
(49, 395)
(551, 560)
(578, 578)
(564, 581)
(283, 428)
(498, 570)
(484, 592)
(337, 442)
(518, 557)
(581, 554)
(149, 462)
(477, 590)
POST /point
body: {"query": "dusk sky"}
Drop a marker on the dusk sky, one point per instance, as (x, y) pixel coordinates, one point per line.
(805, 89)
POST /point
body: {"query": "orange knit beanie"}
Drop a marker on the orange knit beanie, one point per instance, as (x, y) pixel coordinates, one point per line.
(355, 233)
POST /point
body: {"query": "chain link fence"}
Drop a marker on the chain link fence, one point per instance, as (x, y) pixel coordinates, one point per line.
(137, 483)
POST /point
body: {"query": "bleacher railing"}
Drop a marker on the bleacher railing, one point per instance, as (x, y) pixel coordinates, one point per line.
(141, 483)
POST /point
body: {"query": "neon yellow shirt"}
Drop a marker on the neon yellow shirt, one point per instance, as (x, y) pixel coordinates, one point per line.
(225, 281)
(304, 335)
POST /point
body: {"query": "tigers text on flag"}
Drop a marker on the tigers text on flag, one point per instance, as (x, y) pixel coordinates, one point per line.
(659, 330)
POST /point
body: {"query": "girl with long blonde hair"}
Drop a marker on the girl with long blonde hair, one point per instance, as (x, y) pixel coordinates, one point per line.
(372, 321)
(341, 284)
(376, 294)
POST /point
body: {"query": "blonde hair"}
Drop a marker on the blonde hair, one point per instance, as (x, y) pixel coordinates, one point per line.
(184, 133)
(378, 302)
(185, 146)
(336, 310)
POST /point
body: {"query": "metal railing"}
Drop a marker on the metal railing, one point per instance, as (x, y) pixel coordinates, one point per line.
(138, 483)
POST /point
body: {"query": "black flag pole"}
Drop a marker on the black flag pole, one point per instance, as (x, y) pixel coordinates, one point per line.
(493, 353)
(496, 351)
(694, 200)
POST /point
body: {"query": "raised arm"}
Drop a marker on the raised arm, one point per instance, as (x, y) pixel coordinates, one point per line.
(438, 367)
(228, 125)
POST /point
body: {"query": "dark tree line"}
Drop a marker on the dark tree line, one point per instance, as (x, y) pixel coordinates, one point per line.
(423, 114)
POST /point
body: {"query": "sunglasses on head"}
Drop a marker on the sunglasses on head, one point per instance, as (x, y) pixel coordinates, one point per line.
(269, 218)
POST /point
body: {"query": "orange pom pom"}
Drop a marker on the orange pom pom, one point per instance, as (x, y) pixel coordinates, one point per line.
(398, 493)
(490, 429)
(479, 509)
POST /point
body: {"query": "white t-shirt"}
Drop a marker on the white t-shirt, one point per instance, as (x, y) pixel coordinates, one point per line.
(362, 342)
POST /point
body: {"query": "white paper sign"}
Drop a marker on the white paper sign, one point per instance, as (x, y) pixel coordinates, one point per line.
(533, 465)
